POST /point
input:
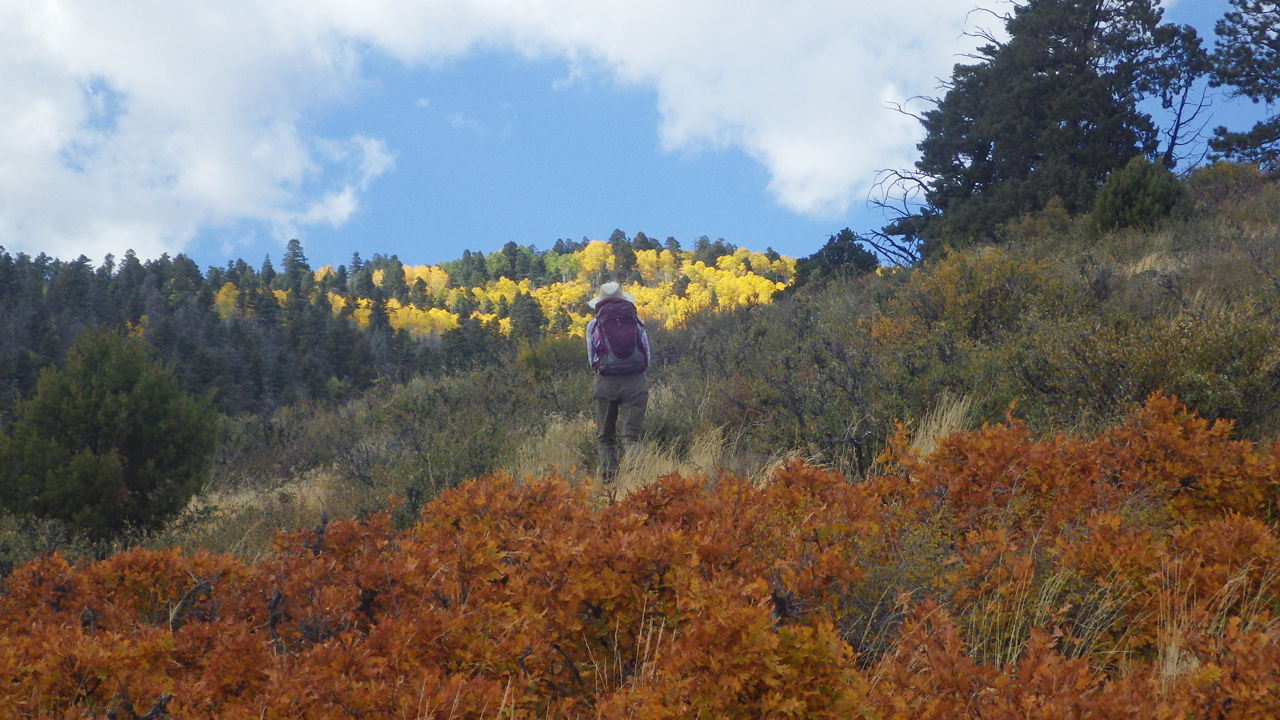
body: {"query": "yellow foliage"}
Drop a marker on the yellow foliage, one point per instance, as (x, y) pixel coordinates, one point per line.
(561, 295)
(225, 300)
(668, 266)
(336, 302)
(577, 325)
(504, 324)
(595, 258)
(433, 276)
(731, 281)
(420, 323)
(505, 288)
(364, 307)
(785, 267)
(733, 263)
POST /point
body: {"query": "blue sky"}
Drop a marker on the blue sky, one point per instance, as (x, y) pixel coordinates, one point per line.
(489, 150)
(422, 128)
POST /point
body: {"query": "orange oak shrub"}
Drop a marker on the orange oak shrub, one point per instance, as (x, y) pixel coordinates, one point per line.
(1133, 573)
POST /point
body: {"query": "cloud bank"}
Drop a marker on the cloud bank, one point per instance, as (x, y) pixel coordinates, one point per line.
(138, 123)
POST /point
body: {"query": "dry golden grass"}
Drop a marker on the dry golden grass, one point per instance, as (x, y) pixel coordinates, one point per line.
(567, 448)
(245, 521)
(646, 463)
(950, 414)
(1181, 621)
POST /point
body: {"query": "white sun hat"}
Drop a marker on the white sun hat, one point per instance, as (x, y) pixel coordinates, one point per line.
(611, 291)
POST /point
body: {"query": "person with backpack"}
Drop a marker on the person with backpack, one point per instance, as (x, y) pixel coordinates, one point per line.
(618, 350)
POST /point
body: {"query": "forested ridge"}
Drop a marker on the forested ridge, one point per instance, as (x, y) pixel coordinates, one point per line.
(1014, 455)
(263, 338)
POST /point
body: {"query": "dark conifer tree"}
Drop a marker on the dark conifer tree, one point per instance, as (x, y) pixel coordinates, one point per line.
(1247, 59)
(1047, 114)
(107, 443)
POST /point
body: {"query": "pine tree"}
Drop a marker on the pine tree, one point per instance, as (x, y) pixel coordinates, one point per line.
(842, 255)
(107, 443)
(1247, 58)
(296, 270)
(1047, 114)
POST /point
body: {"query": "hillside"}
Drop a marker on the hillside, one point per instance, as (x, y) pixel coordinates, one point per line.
(262, 339)
(999, 576)
(959, 489)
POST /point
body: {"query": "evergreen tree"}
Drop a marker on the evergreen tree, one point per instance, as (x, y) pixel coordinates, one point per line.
(527, 319)
(706, 251)
(296, 270)
(107, 443)
(418, 294)
(624, 258)
(1049, 113)
(393, 282)
(842, 255)
(644, 242)
(1140, 195)
(1247, 58)
(268, 272)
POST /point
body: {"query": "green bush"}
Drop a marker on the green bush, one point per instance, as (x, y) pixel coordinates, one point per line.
(24, 538)
(1139, 195)
(107, 443)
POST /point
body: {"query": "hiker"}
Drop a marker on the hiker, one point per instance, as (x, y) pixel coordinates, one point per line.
(618, 350)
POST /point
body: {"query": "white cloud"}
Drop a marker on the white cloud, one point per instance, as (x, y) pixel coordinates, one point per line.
(137, 123)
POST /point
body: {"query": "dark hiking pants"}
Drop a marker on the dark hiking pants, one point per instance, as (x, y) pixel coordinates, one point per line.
(620, 404)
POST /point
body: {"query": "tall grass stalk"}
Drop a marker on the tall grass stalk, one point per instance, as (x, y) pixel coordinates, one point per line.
(949, 414)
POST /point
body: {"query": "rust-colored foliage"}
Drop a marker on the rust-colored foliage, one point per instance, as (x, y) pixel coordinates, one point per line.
(1129, 574)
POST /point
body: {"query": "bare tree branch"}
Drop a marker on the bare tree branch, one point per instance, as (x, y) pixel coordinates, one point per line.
(1185, 116)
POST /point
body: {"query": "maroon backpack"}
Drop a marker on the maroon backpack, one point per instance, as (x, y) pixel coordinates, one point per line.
(616, 338)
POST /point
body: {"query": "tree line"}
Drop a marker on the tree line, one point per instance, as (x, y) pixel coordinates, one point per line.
(263, 337)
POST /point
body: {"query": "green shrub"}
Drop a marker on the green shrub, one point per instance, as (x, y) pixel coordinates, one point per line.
(1218, 185)
(1139, 195)
(24, 538)
(1092, 369)
(108, 443)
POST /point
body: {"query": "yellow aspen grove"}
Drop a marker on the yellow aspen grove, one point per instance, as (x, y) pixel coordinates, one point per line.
(656, 305)
(727, 282)
(596, 257)
(578, 325)
(507, 288)
(785, 267)
(433, 276)
(504, 324)
(225, 300)
(668, 266)
(759, 262)
(420, 323)
(647, 265)
(557, 296)
(733, 263)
